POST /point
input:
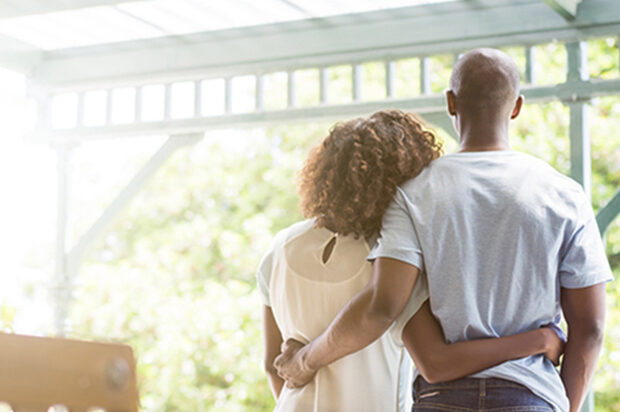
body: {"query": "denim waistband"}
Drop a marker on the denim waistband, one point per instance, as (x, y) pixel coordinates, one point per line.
(421, 384)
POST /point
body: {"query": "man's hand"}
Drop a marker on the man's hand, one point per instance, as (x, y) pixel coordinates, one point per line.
(290, 364)
(364, 319)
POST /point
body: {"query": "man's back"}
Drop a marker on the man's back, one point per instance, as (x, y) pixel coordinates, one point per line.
(497, 233)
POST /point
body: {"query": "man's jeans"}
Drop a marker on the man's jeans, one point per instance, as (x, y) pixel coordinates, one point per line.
(472, 394)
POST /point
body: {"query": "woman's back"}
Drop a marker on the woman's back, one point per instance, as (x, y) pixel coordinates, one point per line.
(307, 279)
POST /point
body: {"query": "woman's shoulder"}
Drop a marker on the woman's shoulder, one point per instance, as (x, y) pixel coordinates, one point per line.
(293, 230)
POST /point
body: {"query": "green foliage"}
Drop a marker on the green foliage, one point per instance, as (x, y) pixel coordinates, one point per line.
(7, 317)
(175, 276)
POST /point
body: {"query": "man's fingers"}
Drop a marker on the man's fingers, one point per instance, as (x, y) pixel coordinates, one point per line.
(278, 361)
(290, 344)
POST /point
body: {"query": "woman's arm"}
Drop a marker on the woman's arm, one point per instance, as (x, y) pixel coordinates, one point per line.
(272, 339)
(438, 361)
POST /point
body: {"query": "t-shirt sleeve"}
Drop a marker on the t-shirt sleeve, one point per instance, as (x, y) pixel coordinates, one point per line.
(263, 276)
(584, 262)
(398, 238)
(419, 295)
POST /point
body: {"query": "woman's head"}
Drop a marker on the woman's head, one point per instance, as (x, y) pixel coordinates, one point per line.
(349, 180)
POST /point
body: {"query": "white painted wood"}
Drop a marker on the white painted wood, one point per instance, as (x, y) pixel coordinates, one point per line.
(530, 65)
(138, 105)
(422, 104)
(290, 87)
(74, 257)
(108, 107)
(80, 110)
(197, 98)
(168, 101)
(425, 77)
(324, 85)
(60, 288)
(260, 92)
(566, 8)
(18, 56)
(390, 68)
(419, 30)
(356, 82)
(228, 95)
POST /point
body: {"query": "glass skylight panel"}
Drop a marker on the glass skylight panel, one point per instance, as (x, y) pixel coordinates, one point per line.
(237, 13)
(322, 8)
(118, 26)
(319, 8)
(157, 18)
(75, 28)
(273, 10)
(36, 30)
(174, 17)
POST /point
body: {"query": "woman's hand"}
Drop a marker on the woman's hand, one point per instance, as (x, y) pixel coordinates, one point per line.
(554, 341)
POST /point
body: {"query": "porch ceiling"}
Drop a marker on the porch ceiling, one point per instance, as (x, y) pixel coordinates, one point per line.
(438, 27)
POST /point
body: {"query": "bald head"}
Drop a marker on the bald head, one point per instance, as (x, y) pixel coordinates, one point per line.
(485, 78)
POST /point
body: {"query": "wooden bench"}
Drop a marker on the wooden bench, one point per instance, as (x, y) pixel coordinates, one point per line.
(36, 373)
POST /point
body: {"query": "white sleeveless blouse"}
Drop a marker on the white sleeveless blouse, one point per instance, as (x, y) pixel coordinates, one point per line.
(305, 294)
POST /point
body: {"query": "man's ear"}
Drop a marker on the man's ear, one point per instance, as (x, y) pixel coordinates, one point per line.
(517, 108)
(451, 102)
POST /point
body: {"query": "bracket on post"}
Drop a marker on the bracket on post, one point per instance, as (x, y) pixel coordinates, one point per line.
(565, 8)
(68, 264)
(607, 214)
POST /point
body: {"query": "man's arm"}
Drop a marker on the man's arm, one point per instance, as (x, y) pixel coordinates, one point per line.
(364, 319)
(584, 311)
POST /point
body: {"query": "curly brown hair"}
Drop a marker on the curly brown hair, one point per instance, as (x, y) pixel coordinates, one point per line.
(349, 180)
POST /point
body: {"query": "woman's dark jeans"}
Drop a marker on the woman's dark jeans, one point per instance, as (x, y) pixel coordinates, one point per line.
(473, 395)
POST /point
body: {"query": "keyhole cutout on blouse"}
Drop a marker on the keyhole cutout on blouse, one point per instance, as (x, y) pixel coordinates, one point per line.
(329, 248)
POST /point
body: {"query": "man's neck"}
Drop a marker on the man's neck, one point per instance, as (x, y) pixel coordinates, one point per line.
(483, 136)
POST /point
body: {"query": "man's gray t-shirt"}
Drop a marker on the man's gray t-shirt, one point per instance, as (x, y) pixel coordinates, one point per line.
(498, 234)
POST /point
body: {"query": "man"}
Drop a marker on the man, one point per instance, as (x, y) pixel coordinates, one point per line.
(504, 239)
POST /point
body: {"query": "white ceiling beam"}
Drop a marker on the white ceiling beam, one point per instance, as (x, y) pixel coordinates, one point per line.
(20, 8)
(18, 56)
(566, 8)
(420, 30)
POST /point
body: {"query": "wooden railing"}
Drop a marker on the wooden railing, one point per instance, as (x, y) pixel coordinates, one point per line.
(38, 373)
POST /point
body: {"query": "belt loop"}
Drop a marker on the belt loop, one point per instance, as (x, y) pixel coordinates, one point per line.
(483, 394)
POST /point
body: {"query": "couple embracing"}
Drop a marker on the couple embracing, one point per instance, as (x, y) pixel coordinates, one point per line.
(464, 261)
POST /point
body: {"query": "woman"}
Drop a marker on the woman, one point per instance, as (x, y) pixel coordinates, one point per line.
(316, 266)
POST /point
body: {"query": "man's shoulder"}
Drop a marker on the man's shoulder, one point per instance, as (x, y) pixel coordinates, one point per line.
(453, 171)
(550, 178)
